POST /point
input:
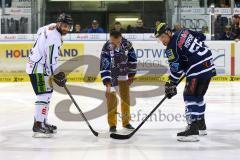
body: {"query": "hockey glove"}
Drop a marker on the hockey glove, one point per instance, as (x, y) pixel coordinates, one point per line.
(60, 79)
(170, 90)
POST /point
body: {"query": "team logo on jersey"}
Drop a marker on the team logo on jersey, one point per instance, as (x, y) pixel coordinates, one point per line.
(174, 67)
(170, 54)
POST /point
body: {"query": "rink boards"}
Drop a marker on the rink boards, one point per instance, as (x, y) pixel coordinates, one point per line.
(80, 60)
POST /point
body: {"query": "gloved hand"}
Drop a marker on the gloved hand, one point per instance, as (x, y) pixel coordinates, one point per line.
(170, 90)
(60, 79)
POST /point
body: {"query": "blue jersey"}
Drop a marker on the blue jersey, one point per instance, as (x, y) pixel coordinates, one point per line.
(188, 54)
(118, 63)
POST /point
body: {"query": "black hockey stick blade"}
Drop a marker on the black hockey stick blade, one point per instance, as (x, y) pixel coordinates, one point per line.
(127, 136)
(121, 136)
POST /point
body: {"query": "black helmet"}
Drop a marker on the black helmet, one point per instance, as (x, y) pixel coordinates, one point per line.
(160, 29)
(65, 18)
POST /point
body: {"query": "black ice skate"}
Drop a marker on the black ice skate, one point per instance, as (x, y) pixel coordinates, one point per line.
(40, 131)
(202, 127)
(51, 127)
(191, 134)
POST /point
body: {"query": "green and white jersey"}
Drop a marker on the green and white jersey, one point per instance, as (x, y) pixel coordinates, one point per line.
(45, 52)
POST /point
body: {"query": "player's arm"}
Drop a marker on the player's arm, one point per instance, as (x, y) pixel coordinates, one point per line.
(105, 69)
(132, 60)
(175, 66)
(52, 57)
(105, 66)
(52, 46)
(175, 72)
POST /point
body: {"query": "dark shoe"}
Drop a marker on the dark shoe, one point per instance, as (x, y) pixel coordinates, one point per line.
(113, 129)
(191, 134)
(129, 127)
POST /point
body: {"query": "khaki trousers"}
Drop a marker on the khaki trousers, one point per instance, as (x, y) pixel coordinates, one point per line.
(125, 105)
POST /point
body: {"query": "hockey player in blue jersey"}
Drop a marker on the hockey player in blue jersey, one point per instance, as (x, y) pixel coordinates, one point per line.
(188, 55)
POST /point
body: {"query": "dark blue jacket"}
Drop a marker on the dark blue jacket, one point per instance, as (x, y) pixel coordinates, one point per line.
(117, 62)
(188, 54)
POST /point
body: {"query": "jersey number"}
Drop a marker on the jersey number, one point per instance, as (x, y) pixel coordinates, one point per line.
(198, 47)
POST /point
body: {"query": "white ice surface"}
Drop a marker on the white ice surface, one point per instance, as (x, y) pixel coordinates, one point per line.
(156, 140)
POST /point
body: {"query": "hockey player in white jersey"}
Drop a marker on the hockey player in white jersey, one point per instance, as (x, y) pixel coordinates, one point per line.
(42, 68)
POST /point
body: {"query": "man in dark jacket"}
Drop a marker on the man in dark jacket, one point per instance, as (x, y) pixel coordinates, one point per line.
(118, 67)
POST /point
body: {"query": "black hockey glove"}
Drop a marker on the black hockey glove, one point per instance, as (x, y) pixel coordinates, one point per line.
(170, 90)
(60, 79)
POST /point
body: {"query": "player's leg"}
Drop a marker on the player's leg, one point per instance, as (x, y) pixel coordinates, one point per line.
(43, 92)
(125, 104)
(112, 111)
(192, 109)
(50, 126)
(202, 88)
(194, 92)
(41, 112)
(49, 88)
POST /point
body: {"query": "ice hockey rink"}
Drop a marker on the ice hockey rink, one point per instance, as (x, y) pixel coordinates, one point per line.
(155, 140)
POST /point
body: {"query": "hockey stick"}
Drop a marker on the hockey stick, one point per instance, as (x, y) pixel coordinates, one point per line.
(127, 136)
(97, 134)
